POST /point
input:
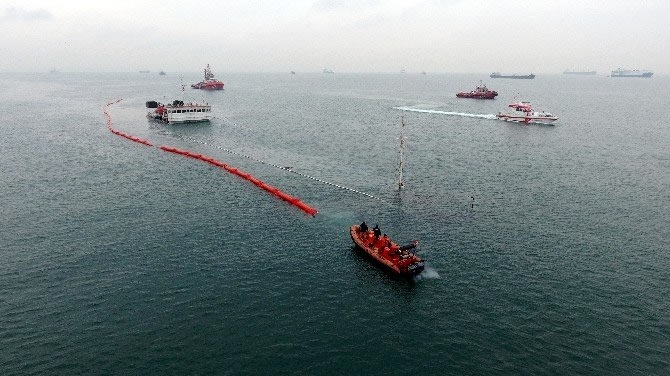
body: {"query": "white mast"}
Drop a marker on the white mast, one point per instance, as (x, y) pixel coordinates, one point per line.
(402, 149)
(181, 80)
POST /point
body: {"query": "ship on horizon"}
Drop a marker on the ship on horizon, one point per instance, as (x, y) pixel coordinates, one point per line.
(631, 73)
(516, 76)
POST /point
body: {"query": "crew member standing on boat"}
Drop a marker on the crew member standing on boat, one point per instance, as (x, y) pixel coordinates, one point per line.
(377, 231)
(363, 227)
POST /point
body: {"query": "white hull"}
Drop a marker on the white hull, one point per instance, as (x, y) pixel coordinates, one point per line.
(180, 118)
(191, 117)
(528, 119)
(631, 73)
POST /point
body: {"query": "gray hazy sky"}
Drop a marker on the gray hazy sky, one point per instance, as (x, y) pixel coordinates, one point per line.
(515, 36)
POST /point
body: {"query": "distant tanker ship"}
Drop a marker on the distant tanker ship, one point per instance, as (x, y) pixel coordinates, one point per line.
(631, 73)
(516, 76)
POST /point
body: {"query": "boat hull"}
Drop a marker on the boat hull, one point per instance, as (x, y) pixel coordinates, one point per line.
(178, 120)
(391, 264)
(514, 76)
(642, 75)
(187, 119)
(489, 95)
(218, 85)
(528, 119)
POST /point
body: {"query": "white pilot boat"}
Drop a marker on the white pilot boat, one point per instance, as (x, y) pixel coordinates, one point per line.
(524, 113)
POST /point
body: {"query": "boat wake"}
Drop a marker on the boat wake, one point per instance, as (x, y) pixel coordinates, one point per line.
(463, 114)
(427, 273)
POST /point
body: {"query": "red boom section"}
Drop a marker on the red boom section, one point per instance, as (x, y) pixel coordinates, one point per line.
(252, 179)
(119, 133)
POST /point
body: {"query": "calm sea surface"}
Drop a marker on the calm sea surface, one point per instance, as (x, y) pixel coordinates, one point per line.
(117, 258)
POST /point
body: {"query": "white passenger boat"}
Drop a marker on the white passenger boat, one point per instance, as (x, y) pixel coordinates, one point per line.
(179, 112)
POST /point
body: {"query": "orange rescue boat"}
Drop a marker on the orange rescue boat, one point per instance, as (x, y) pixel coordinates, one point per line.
(401, 260)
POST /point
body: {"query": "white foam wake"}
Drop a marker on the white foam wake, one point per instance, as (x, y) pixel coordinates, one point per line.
(480, 116)
(427, 273)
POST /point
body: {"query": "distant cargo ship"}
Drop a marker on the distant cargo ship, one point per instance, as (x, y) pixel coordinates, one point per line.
(631, 73)
(580, 72)
(517, 76)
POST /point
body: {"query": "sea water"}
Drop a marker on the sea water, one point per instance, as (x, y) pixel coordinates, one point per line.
(547, 246)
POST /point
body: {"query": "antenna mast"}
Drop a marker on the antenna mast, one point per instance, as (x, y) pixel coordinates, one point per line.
(181, 80)
(402, 149)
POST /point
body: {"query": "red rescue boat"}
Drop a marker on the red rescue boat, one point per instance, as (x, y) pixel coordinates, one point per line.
(481, 92)
(209, 83)
(401, 260)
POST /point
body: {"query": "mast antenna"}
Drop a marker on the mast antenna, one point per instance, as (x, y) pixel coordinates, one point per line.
(401, 163)
(181, 80)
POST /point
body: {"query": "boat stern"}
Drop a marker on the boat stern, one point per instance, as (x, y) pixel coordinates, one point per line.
(416, 267)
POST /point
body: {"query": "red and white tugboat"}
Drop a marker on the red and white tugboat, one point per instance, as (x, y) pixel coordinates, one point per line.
(209, 83)
(481, 92)
(524, 113)
(401, 260)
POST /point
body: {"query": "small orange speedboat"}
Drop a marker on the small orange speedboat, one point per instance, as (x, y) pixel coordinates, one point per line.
(397, 259)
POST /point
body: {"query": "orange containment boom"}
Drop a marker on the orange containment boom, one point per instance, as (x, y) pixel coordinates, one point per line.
(122, 134)
(250, 178)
